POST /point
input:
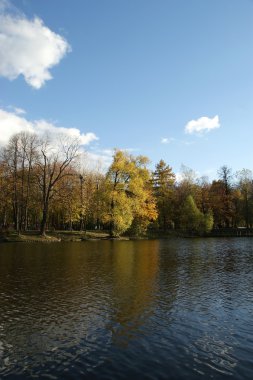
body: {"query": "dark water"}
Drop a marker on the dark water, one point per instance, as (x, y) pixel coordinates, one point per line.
(180, 309)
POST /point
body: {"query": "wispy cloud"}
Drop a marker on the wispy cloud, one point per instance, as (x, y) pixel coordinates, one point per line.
(16, 110)
(202, 125)
(15, 122)
(167, 140)
(98, 159)
(187, 143)
(178, 142)
(19, 111)
(28, 47)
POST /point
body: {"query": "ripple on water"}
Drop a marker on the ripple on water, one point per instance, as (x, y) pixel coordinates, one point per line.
(165, 309)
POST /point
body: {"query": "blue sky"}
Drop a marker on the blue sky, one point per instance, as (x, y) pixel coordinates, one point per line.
(134, 74)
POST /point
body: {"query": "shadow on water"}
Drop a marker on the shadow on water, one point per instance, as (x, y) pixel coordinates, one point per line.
(160, 309)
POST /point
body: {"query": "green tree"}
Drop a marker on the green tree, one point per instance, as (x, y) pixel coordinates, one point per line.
(190, 215)
(193, 220)
(206, 222)
(245, 187)
(228, 207)
(163, 180)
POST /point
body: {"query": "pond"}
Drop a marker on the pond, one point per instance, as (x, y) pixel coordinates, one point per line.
(148, 309)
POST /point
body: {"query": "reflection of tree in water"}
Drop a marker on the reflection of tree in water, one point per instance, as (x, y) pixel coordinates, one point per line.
(135, 270)
(74, 297)
(60, 300)
(168, 277)
(87, 300)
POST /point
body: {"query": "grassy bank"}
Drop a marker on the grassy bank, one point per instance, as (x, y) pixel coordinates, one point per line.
(52, 236)
(56, 236)
(78, 236)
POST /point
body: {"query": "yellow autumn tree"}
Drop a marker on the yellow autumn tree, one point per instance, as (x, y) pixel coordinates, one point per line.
(128, 195)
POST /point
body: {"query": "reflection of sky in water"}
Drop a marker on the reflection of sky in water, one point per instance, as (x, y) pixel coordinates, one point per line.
(219, 354)
(177, 308)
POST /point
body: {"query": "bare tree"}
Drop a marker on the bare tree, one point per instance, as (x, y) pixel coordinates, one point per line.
(28, 153)
(10, 157)
(225, 175)
(55, 159)
(18, 158)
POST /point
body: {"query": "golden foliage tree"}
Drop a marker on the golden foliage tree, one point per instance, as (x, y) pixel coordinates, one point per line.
(128, 194)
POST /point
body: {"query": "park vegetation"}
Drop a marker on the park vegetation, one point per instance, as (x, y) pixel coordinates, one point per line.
(44, 186)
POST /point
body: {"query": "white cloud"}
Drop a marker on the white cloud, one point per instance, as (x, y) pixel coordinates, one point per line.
(101, 158)
(13, 122)
(179, 177)
(16, 110)
(19, 111)
(107, 152)
(42, 126)
(202, 125)
(166, 140)
(28, 47)
(97, 160)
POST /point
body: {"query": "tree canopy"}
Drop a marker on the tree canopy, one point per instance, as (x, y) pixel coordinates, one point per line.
(43, 186)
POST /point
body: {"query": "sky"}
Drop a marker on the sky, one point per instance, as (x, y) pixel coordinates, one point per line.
(169, 79)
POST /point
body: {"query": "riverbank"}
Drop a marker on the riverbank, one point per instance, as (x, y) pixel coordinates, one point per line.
(56, 237)
(78, 236)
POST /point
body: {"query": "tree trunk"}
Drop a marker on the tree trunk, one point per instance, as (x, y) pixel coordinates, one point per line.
(44, 220)
(112, 221)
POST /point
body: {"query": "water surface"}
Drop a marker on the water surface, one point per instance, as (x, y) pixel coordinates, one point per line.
(160, 309)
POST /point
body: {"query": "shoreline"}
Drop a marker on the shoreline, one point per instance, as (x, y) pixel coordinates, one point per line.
(82, 236)
(61, 237)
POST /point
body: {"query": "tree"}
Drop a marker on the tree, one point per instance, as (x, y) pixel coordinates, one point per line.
(5, 198)
(65, 210)
(206, 222)
(11, 160)
(90, 194)
(185, 186)
(225, 175)
(127, 193)
(53, 164)
(28, 154)
(245, 186)
(190, 215)
(193, 220)
(202, 194)
(18, 158)
(145, 210)
(163, 180)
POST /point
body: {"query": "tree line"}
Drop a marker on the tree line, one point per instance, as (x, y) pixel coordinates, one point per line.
(43, 186)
